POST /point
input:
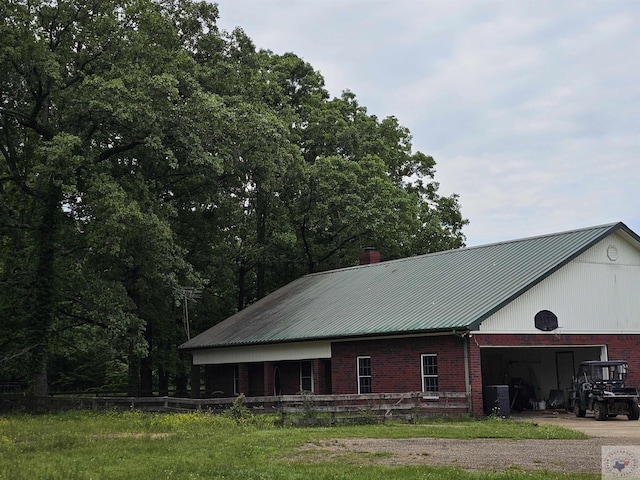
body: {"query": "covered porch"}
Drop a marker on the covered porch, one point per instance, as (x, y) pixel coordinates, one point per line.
(257, 379)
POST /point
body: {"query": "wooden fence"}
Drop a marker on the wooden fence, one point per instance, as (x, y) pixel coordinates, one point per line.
(304, 408)
(332, 409)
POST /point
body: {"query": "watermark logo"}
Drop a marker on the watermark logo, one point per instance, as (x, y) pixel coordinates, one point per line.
(621, 462)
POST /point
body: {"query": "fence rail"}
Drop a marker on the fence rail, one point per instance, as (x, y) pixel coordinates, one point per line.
(331, 409)
(303, 408)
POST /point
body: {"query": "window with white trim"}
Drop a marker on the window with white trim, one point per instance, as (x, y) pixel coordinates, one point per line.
(429, 372)
(306, 376)
(364, 374)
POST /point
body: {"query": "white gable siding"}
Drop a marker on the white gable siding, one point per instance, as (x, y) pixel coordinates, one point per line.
(591, 294)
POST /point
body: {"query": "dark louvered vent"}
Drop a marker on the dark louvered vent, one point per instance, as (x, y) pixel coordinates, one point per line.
(546, 321)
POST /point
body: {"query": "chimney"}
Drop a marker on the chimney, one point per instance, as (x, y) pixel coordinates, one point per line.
(369, 255)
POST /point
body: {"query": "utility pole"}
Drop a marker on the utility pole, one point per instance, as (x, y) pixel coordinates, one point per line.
(188, 294)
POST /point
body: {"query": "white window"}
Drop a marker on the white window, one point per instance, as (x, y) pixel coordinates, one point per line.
(429, 372)
(306, 376)
(364, 374)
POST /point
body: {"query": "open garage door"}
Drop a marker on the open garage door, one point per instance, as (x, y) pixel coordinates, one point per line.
(538, 377)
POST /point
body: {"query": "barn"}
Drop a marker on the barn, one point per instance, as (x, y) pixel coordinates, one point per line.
(521, 313)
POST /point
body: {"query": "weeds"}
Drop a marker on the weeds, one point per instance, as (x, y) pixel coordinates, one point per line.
(309, 406)
(235, 445)
(238, 412)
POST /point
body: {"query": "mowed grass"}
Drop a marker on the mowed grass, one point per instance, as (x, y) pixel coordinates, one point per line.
(135, 445)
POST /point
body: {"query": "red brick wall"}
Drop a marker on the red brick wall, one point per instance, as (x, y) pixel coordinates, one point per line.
(322, 377)
(243, 378)
(396, 364)
(475, 374)
(268, 380)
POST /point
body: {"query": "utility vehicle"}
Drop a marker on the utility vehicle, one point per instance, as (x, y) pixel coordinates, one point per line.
(600, 387)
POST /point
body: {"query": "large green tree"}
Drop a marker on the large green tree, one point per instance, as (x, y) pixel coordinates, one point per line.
(144, 153)
(362, 186)
(101, 113)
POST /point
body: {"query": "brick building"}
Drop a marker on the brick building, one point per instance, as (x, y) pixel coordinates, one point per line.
(522, 313)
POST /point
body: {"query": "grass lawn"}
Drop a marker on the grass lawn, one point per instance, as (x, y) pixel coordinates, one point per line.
(134, 445)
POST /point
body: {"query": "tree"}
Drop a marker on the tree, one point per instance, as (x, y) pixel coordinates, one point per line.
(362, 186)
(95, 128)
(258, 151)
(142, 150)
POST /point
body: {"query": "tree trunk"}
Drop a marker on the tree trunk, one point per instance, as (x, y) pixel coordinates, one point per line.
(163, 382)
(146, 366)
(40, 379)
(182, 377)
(261, 240)
(133, 374)
(44, 286)
(182, 381)
(242, 275)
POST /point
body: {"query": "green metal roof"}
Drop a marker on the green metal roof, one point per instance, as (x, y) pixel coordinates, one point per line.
(445, 291)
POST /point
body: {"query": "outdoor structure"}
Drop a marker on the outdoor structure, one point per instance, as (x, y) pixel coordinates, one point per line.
(521, 313)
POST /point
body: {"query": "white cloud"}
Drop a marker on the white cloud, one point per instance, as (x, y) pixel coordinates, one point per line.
(530, 108)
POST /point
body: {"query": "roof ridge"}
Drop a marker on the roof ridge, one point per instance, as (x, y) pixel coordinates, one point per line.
(553, 234)
(610, 226)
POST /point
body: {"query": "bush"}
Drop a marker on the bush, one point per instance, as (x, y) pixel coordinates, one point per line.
(238, 412)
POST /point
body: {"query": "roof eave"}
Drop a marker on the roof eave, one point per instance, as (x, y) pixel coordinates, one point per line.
(459, 330)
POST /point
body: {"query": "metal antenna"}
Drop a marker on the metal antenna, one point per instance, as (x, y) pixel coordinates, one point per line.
(188, 294)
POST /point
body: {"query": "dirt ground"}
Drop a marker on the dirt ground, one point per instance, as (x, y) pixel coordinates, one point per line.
(489, 454)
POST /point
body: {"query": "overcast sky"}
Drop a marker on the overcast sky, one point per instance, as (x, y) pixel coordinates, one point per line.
(529, 108)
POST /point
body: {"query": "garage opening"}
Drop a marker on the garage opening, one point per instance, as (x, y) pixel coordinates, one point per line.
(538, 377)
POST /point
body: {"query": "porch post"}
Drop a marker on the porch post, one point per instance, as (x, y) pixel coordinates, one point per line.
(243, 378)
(318, 375)
(475, 377)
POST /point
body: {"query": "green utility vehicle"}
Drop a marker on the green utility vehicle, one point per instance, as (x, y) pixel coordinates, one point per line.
(599, 387)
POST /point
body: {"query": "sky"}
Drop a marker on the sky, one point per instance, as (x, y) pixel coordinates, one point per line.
(531, 109)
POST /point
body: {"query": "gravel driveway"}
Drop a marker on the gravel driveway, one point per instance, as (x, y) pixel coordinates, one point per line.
(488, 454)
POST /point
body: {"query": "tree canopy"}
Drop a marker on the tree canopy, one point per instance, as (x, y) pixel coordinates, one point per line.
(142, 151)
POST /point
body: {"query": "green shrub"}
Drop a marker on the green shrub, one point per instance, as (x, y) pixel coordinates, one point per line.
(238, 412)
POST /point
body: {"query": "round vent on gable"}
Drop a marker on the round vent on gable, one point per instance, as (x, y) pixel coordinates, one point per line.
(546, 321)
(612, 253)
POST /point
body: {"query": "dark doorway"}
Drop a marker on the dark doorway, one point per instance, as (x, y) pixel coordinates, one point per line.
(256, 379)
(565, 368)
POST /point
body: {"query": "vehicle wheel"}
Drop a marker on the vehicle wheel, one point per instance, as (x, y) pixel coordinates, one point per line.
(578, 412)
(599, 411)
(634, 412)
